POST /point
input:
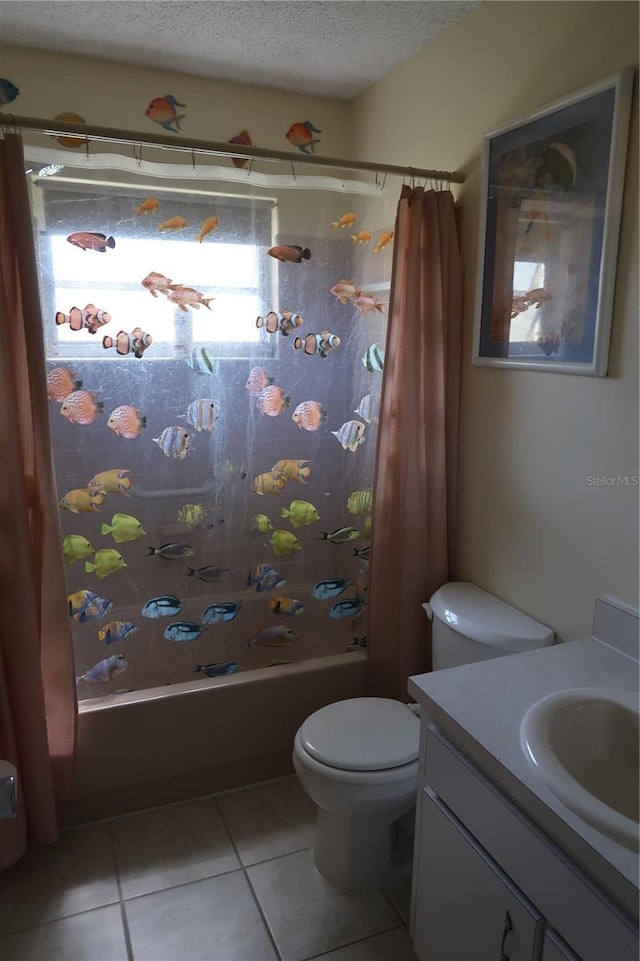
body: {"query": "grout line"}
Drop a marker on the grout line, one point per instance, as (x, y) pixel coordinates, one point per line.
(123, 913)
(348, 944)
(261, 913)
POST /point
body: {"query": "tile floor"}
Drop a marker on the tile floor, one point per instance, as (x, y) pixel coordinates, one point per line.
(224, 878)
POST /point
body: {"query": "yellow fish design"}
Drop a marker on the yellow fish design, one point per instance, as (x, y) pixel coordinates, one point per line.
(261, 524)
(359, 502)
(105, 562)
(76, 548)
(292, 470)
(82, 500)
(123, 528)
(284, 542)
(300, 513)
(111, 481)
(268, 483)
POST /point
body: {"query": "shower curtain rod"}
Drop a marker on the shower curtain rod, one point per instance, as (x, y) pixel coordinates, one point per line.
(113, 135)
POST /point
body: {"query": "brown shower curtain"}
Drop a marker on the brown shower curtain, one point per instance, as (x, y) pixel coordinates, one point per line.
(414, 510)
(37, 685)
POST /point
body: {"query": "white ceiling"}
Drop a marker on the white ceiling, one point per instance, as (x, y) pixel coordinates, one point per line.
(332, 49)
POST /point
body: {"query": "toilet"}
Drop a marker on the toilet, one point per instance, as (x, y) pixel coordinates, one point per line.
(357, 759)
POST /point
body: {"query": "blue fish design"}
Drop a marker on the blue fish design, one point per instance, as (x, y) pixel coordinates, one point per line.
(265, 578)
(104, 671)
(218, 670)
(346, 608)
(167, 605)
(332, 587)
(183, 631)
(8, 91)
(223, 611)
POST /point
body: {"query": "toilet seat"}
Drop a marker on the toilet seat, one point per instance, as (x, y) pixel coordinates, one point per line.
(362, 734)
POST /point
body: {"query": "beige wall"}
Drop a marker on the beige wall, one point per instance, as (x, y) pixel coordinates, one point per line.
(532, 530)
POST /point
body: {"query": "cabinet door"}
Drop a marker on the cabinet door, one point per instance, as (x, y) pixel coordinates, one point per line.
(466, 907)
(554, 948)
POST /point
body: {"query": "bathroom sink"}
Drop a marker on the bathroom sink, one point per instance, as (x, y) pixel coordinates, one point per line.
(583, 744)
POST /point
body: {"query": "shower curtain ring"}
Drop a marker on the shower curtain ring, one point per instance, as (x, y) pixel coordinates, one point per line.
(193, 160)
(293, 171)
(140, 155)
(250, 167)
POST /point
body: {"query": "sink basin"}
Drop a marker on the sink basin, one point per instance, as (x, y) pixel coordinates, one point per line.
(583, 744)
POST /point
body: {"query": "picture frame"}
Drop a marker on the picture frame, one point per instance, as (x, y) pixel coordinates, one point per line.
(552, 189)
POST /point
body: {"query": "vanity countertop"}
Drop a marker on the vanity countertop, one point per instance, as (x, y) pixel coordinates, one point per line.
(479, 707)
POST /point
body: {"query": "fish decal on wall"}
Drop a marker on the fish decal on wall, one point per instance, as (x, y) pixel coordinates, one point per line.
(162, 110)
(193, 515)
(292, 470)
(301, 136)
(166, 605)
(89, 318)
(60, 383)
(187, 297)
(271, 482)
(384, 238)
(202, 414)
(260, 524)
(221, 611)
(82, 500)
(207, 574)
(284, 542)
(309, 415)
(75, 547)
(367, 303)
(174, 442)
(123, 528)
(345, 290)
(91, 240)
(81, 407)
(208, 226)
(322, 343)
(272, 401)
(111, 481)
(8, 91)
(284, 322)
(369, 408)
(257, 380)
(359, 502)
(155, 282)
(341, 536)
(170, 551)
(104, 671)
(350, 435)
(116, 631)
(126, 421)
(105, 562)
(331, 587)
(362, 238)
(273, 637)
(290, 253)
(86, 606)
(148, 206)
(174, 223)
(346, 608)
(242, 139)
(300, 513)
(136, 342)
(218, 669)
(286, 606)
(265, 578)
(373, 358)
(183, 631)
(347, 220)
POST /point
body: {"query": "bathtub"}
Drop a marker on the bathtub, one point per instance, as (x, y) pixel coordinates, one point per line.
(168, 744)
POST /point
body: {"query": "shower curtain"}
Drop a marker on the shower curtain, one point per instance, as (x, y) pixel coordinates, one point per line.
(214, 340)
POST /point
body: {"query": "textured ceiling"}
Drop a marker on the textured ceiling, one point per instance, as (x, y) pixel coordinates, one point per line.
(332, 49)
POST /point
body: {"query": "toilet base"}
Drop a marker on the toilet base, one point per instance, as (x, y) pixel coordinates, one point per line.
(360, 853)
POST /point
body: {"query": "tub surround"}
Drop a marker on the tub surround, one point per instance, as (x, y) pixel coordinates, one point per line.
(479, 708)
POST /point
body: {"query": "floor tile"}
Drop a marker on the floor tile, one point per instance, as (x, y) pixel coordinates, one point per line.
(56, 881)
(211, 920)
(307, 916)
(269, 820)
(171, 845)
(96, 935)
(400, 896)
(390, 946)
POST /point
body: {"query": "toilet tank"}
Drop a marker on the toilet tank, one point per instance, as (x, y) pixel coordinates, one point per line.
(470, 625)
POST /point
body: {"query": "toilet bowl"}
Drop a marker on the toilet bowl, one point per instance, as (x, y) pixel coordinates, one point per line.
(358, 759)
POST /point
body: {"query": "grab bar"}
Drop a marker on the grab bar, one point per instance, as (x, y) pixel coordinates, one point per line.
(139, 493)
(8, 790)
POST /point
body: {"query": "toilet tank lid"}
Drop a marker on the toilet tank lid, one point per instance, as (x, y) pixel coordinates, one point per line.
(362, 734)
(486, 619)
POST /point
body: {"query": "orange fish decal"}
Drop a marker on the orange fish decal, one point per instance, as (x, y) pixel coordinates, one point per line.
(174, 223)
(60, 383)
(210, 224)
(81, 407)
(347, 220)
(300, 135)
(362, 238)
(268, 483)
(111, 481)
(309, 415)
(126, 421)
(82, 500)
(187, 297)
(290, 253)
(344, 290)
(162, 110)
(292, 470)
(90, 317)
(383, 240)
(272, 401)
(257, 380)
(148, 206)
(243, 139)
(89, 240)
(155, 282)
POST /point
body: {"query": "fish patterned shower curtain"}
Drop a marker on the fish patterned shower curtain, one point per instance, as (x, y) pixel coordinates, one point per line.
(215, 352)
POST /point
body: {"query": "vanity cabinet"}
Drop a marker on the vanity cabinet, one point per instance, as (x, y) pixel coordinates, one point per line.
(478, 858)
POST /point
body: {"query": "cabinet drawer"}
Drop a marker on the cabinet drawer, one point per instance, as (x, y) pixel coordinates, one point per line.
(468, 910)
(591, 924)
(554, 948)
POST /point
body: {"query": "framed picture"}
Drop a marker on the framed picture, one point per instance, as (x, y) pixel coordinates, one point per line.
(550, 220)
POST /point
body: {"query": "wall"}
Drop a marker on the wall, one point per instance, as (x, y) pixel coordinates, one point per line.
(532, 530)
